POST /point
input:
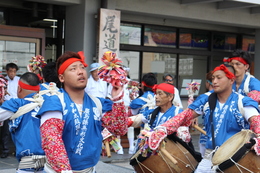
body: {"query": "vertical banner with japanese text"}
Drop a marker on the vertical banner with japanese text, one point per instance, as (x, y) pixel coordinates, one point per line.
(109, 32)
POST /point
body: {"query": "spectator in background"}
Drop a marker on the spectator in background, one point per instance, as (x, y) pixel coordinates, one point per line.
(95, 86)
(11, 70)
(168, 78)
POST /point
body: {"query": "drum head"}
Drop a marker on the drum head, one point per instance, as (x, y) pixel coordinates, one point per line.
(231, 146)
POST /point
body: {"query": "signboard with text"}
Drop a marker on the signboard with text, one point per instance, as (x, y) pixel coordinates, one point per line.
(109, 32)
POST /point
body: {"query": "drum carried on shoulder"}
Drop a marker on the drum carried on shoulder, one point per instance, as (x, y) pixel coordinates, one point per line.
(235, 155)
(172, 158)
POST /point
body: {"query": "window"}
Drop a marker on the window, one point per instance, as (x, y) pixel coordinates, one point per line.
(194, 39)
(17, 50)
(159, 63)
(131, 59)
(248, 44)
(225, 42)
(192, 68)
(159, 36)
(130, 34)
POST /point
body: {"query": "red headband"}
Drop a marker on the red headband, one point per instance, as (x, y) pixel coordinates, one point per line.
(165, 87)
(28, 87)
(144, 84)
(65, 64)
(222, 67)
(236, 58)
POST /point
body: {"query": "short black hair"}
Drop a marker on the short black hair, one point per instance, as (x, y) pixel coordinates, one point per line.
(30, 79)
(149, 79)
(49, 72)
(11, 65)
(243, 54)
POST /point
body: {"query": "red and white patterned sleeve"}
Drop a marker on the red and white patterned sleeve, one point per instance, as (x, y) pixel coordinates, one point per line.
(255, 127)
(116, 120)
(182, 119)
(52, 144)
(255, 95)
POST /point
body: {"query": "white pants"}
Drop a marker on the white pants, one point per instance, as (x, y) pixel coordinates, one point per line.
(205, 164)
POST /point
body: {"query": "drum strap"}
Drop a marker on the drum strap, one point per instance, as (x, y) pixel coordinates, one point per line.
(153, 116)
(212, 105)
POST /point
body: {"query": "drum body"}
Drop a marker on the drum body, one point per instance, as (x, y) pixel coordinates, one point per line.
(238, 149)
(186, 163)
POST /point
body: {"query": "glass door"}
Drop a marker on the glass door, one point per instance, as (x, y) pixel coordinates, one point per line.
(17, 50)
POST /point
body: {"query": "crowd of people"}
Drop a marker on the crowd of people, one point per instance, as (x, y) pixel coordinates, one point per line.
(56, 112)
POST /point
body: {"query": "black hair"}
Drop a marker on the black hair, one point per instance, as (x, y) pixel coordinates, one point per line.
(149, 79)
(11, 65)
(49, 73)
(243, 54)
(30, 79)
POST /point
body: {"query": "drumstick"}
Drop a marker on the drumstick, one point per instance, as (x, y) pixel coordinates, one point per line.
(107, 149)
(199, 129)
(167, 154)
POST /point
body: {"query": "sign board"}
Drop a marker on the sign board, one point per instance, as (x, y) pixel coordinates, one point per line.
(109, 32)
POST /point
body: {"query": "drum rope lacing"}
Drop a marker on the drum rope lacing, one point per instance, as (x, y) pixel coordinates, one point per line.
(238, 165)
(165, 161)
(185, 154)
(140, 163)
(191, 166)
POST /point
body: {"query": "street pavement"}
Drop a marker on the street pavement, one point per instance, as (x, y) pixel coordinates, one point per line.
(115, 164)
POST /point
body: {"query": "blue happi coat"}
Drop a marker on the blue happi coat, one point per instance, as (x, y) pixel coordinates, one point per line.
(249, 83)
(228, 120)
(171, 112)
(82, 133)
(139, 102)
(25, 130)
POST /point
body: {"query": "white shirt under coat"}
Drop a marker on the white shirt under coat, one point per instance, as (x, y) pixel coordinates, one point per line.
(96, 88)
(12, 88)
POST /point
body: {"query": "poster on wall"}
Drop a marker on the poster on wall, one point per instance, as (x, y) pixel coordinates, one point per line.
(109, 32)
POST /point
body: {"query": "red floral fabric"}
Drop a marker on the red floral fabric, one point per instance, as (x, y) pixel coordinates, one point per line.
(255, 95)
(182, 119)
(52, 144)
(255, 127)
(116, 120)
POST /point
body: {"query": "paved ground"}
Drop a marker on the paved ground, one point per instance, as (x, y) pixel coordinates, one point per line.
(115, 164)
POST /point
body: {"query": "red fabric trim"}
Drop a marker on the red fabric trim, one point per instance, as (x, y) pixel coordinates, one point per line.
(28, 87)
(53, 146)
(165, 87)
(65, 64)
(225, 70)
(236, 58)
